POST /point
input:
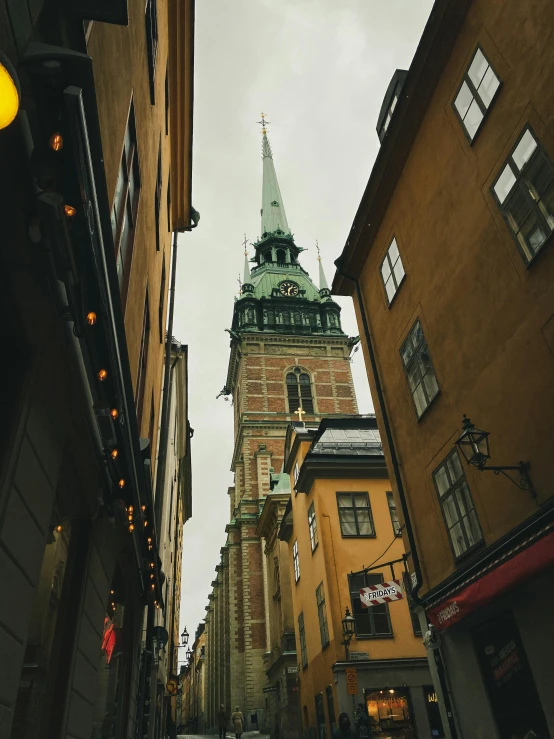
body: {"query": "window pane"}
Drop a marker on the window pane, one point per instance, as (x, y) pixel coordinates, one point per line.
(416, 334)
(441, 480)
(393, 251)
(539, 176)
(488, 87)
(348, 522)
(385, 269)
(465, 504)
(455, 467)
(364, 523)
(504, 183)
(477, 68)
(420, 400)
(473, 119)
(361, 500)
(344, 499)
(547, 206)
(430, 384)
(457, 538)
(518, 209)
(399, 271)
(472, 529)
(414, 375)
(390, 287)
(533, 232)
(463, 100)
(524, 149)
(450, 512)
(381, 620)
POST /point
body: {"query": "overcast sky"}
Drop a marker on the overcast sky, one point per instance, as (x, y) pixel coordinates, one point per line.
(319, 69)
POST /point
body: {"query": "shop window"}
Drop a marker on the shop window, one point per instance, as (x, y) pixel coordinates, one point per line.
(331, 710)
(419, 369)
(320, 716)
(396, 527)
(476, 94)
(299, 391)
(322, 615)
(296, 561)
(151, 22)
(143, 361)
(524, 192)
(390, 713)
(355, 514)
(312, 525)
(302, 639)
(125, 205)
(457, 505)
(392, 271)
(373, 621)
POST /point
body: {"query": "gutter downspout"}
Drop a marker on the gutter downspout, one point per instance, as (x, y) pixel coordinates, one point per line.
(435, 655)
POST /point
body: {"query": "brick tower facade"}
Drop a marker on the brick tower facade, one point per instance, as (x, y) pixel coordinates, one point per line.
(288, 352)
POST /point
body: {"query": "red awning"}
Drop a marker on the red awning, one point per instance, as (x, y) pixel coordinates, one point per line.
(512, 572)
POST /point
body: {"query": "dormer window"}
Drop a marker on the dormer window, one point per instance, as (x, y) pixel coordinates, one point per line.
(390, 101)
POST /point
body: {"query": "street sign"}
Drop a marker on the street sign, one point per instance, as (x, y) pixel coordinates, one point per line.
(376, 595)
(351, 681)
(358, 656)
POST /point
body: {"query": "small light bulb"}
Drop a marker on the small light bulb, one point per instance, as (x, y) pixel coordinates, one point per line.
(112, 592)
(151, 575)
(131, 527)
(69, 210)
(149, 540)
(59, 528)
(152, 565)
(56, 142)
(143, 508)
(121, 483)
(130, 516)
(91, 318)
(130, 509)
(113, 606)
(153, 586)
(102, 375)
(114, 453)
(114, 413)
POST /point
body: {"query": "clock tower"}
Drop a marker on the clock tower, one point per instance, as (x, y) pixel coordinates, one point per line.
(289, 361)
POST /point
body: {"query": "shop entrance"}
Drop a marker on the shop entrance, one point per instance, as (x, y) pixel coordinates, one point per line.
(509, 681)
(390, 713)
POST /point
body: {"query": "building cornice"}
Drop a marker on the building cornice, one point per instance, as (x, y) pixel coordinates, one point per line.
(333, 467)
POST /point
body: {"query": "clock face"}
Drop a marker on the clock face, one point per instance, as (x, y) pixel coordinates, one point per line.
(290, 289)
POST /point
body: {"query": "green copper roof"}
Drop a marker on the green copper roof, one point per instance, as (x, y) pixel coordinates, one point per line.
(273, 211)
(322, 280)
(269, 276)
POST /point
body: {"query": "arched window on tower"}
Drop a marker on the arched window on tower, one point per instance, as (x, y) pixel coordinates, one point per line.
(286, 318)
(299, 391)
(281, 256)
(271, 317)
(297, 319)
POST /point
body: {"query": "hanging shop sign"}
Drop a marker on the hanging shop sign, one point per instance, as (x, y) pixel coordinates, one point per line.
(513, 571)
(386, 592)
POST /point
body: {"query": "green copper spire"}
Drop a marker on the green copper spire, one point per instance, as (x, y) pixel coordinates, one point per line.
(273, 211)
(322, 279)
(247, 276)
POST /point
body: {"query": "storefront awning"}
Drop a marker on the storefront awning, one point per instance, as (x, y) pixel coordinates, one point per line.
(524, 561)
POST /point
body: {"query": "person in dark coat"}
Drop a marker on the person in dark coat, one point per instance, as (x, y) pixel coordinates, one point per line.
(345, 729)
(222, 721)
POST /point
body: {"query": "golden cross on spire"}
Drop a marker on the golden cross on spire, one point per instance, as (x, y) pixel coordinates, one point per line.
(300, 412)
(264, 123)
(317, 247)
(244, 243)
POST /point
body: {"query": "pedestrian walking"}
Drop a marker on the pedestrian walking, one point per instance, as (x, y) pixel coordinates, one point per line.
(238, 722)
(345, 729)
(222, 721)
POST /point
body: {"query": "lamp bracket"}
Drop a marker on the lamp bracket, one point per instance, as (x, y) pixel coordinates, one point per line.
(524, 477)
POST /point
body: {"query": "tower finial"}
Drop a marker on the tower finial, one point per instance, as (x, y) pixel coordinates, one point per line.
(247, 279)
(318, 252)
(263, 123)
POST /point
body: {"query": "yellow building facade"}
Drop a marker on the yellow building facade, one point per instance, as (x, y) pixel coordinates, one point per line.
(343, 534)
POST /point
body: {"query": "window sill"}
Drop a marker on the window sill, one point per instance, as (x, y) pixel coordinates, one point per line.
(370, 637)
(358, 536)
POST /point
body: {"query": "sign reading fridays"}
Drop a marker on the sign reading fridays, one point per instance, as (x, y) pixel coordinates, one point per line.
(376, 595)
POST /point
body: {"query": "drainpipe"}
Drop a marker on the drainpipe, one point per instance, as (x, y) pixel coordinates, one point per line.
(390, 442)
(440, 671)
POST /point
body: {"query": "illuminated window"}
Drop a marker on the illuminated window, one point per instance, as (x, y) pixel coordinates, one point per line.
(476, 94)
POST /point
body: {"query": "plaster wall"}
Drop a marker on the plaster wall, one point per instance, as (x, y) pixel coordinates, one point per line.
(486, 316)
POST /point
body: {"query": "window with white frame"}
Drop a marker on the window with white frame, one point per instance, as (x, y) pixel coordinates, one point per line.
(312, 525)
(419, 369)
(392, 270)
(476, 93)
(296, 561)
(524, 191)
(457, 505)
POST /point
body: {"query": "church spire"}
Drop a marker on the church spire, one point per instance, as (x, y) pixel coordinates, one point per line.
(273, 211)
(247, 280)
(323, 286)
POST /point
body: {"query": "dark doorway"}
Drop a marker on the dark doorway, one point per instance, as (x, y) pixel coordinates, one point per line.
(509, 681)
(433, 712)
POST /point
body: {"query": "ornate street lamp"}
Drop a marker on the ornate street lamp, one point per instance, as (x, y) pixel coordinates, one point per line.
(188, 655)
(185, 637)
(348, 630)
(474, 445)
